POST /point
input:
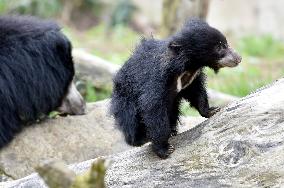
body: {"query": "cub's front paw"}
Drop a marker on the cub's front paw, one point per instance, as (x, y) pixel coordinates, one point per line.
(174, 132)
(213, 110)
(163, 151)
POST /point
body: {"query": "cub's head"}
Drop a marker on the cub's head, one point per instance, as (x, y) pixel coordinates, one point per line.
(203, 45)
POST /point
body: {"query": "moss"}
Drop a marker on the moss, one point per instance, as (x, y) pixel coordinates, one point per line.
(58, 175)
(93, 178)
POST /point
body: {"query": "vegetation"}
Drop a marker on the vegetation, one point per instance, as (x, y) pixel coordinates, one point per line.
(262, 57)
(44, 8)
(262, 63)
(114, 45)
(92, 94)
(122, 13)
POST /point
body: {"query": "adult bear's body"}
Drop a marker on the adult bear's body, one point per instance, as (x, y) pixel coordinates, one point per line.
(36, 70)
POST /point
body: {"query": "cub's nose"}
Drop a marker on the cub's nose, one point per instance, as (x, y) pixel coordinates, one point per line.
(238, 58)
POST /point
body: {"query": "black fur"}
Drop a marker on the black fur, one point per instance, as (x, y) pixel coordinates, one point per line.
(145, 101)
(36, 69)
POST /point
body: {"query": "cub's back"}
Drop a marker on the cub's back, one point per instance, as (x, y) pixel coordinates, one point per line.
(145, 59)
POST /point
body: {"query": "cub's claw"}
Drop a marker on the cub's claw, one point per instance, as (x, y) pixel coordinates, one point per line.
(164, 152)
(213, 110)
(173, 133)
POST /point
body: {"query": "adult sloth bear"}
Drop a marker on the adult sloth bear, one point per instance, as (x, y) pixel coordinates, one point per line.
(150, 85)
(36, 72)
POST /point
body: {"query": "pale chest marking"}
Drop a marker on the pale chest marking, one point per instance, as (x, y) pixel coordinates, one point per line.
(185, 79)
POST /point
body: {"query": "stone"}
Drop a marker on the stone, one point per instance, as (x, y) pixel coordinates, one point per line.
(240, 146)
(71, 139)
(94, 69)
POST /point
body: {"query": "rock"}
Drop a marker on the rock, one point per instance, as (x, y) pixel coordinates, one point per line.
(71, 139)
(94, 69)
(217, 98)
(4, 177)
(188, 122)
(241, 146)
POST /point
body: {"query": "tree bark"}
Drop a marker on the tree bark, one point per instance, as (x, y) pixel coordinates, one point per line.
(241, 146)
(169, 17)
(175, 12)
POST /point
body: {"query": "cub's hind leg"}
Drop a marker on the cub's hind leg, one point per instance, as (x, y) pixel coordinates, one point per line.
(129, 121)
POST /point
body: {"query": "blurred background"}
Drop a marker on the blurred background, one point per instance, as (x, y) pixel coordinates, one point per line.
(106, 31)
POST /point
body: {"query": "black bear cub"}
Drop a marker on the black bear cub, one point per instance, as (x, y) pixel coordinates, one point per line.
(149, 87)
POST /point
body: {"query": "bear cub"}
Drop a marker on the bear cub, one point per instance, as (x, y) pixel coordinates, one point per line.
(149, 87)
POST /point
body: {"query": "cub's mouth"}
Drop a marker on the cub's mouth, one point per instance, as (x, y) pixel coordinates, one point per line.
(231, 59)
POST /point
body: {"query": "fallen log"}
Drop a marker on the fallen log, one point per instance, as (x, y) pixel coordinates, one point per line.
(241, 146)
(94, 69)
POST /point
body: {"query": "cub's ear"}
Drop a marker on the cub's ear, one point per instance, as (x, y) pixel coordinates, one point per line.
(174, 46)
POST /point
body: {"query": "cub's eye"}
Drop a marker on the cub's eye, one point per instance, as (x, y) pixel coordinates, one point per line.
(221, 46)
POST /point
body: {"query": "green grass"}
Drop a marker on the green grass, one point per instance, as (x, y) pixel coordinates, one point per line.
(263, 62)
(187, 110)
(93, 94)
(114, 45)
(43, 8)
(261, 46)
(240, 81)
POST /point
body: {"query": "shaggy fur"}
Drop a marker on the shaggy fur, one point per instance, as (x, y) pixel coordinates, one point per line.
(145, 100)
(36, 69)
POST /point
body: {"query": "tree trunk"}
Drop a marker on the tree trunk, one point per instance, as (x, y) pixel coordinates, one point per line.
(68, 8)
(175, 12)
(241, 146)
